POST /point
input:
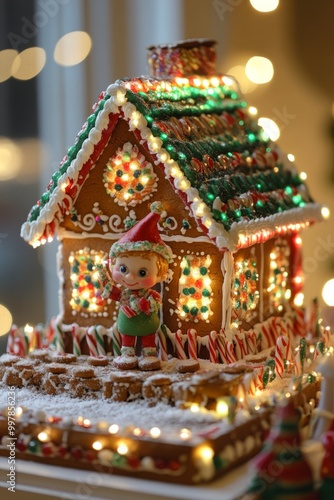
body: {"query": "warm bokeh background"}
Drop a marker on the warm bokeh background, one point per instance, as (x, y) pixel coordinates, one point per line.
(44, 103)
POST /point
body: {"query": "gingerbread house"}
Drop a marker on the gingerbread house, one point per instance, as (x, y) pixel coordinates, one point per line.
(233, 204)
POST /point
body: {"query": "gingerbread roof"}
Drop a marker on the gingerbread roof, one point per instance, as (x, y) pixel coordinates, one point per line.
(239, 187)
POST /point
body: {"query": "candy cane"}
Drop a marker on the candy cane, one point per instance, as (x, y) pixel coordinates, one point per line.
(258, 372)
(179, 345)
(213, 346)
(116, 341)
(58, 339)
(241, 347)
(221, 346)
(251, 339)
(274, 329)
(99, 341)
(230, 354)
(76, 340)
(299, 323)
(37, 337)
(266, 338)
(162, 345)
(11, 340)
(282, 353)
(91, 343)
(192, 343)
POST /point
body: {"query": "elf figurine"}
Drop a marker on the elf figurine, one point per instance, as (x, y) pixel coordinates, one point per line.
(138, 261)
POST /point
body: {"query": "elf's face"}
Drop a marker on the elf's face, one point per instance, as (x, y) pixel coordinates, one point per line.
(135, 272)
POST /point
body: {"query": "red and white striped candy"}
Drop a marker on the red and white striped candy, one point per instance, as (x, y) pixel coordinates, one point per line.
(213, 346)
(282, 353)
(221, 346)
(91, 343)
(251, 339)
(192, 343)
(162, 342)
(299, 323)
(230, 354)
(258, 372)
(180, 353)
(241, 346)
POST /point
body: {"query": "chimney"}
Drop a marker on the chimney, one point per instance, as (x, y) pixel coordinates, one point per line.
(183, 59)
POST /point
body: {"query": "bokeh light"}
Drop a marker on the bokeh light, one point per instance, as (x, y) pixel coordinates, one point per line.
(259, 70)
(328, 292)
(7, 58)
(72, 48)
(270, 127)
(264, 5)
(29, 63)
(10, 159)
(6, 320)
(239, 74)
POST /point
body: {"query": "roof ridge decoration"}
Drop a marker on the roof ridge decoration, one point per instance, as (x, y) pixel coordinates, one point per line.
(235, 181)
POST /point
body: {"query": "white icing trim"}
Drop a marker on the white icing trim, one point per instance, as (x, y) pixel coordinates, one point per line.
(240, 232)
(261, 271)
(64, 233)
(227, 269)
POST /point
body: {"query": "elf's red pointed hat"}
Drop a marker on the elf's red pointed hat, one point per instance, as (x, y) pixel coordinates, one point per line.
(144, 236)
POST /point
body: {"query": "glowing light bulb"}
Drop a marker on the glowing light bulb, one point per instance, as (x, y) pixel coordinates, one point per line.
(97, 445)
(43, 437)
(222, 408)
(113, 429)
(185, 434)
(299, 299)
(206, 453)
(252, 110)
(155, 432)
(291, 157)
(122, 449)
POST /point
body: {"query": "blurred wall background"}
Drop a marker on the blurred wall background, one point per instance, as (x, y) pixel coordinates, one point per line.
(45, 102)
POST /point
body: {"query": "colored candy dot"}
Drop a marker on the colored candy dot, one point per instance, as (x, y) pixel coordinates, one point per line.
(34, 446)
(194, 311)
(203, 270)
(185, 309)
(186, 271)
(119, 173)
(192, 290)
(205, 293)
(76, 453)
(185, 291)
(118, 187)
(204, 309)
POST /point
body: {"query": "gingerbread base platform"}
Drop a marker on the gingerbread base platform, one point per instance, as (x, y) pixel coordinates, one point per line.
(168, 426)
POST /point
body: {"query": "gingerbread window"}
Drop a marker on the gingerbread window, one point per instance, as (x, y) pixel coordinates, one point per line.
(85, 298)
(128, 177)
(195, 288)
(279, 270)
(245, 293)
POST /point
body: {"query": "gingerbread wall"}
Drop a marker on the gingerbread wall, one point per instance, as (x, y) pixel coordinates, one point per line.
(179, 230)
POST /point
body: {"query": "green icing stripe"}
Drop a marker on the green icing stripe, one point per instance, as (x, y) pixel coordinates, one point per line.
(71, 155)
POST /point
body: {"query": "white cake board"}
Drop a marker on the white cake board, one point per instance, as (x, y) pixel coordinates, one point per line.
(42, 481)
